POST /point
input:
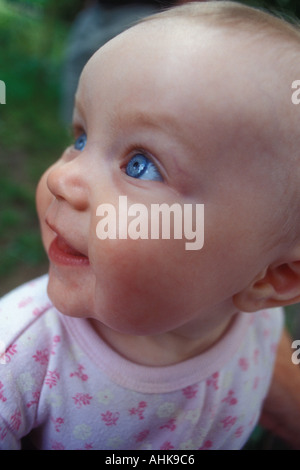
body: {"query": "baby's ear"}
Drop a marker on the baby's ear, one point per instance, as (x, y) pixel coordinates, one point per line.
(275, 286)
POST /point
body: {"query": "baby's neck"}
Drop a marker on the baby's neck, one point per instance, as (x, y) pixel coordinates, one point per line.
(161, 350)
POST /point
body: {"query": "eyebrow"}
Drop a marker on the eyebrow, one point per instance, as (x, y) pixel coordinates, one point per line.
(136, 118)
(162, 121)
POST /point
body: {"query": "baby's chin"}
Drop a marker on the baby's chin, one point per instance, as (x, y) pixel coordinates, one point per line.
(64, 300)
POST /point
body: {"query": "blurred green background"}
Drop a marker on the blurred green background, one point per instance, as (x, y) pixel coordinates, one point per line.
(33, 35)
(32, 39)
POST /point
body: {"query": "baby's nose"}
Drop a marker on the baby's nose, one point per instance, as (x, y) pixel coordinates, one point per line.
(66, 181)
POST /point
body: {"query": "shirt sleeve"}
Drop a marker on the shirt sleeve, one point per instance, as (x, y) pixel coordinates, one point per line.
(8, 441)
(20, 391)
(17, 412)
(24, 335)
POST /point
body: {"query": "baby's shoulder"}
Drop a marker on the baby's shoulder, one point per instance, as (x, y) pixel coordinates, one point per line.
(22, 313)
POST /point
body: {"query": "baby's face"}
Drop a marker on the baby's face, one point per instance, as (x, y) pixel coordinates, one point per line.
(156, 100)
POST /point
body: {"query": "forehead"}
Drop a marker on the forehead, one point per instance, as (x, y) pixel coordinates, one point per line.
(181, 46)
(177, 63)
(146, 59)
(165, 67)
(172, 72)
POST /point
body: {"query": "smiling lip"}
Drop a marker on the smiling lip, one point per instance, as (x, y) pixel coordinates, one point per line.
(62, 253)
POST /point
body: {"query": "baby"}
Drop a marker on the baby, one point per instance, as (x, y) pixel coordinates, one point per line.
(137, 342)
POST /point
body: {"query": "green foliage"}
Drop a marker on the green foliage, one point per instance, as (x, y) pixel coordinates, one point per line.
(31, 134)
(64, 10)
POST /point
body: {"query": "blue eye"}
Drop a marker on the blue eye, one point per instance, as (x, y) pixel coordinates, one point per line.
(80, 142)
(139, 166)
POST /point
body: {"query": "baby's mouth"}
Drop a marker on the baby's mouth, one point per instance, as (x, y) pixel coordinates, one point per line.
(63, 246)
(60, 252)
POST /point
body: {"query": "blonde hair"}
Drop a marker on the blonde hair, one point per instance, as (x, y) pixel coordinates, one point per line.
(229, 14)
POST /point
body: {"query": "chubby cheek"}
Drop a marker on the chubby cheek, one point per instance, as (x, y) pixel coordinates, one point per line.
(139, 286)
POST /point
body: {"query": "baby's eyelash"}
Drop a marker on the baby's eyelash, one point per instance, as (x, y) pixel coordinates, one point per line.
(139, 166)
(76, 130)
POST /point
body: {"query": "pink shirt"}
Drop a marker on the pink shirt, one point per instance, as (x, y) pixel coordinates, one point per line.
(60, 383)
